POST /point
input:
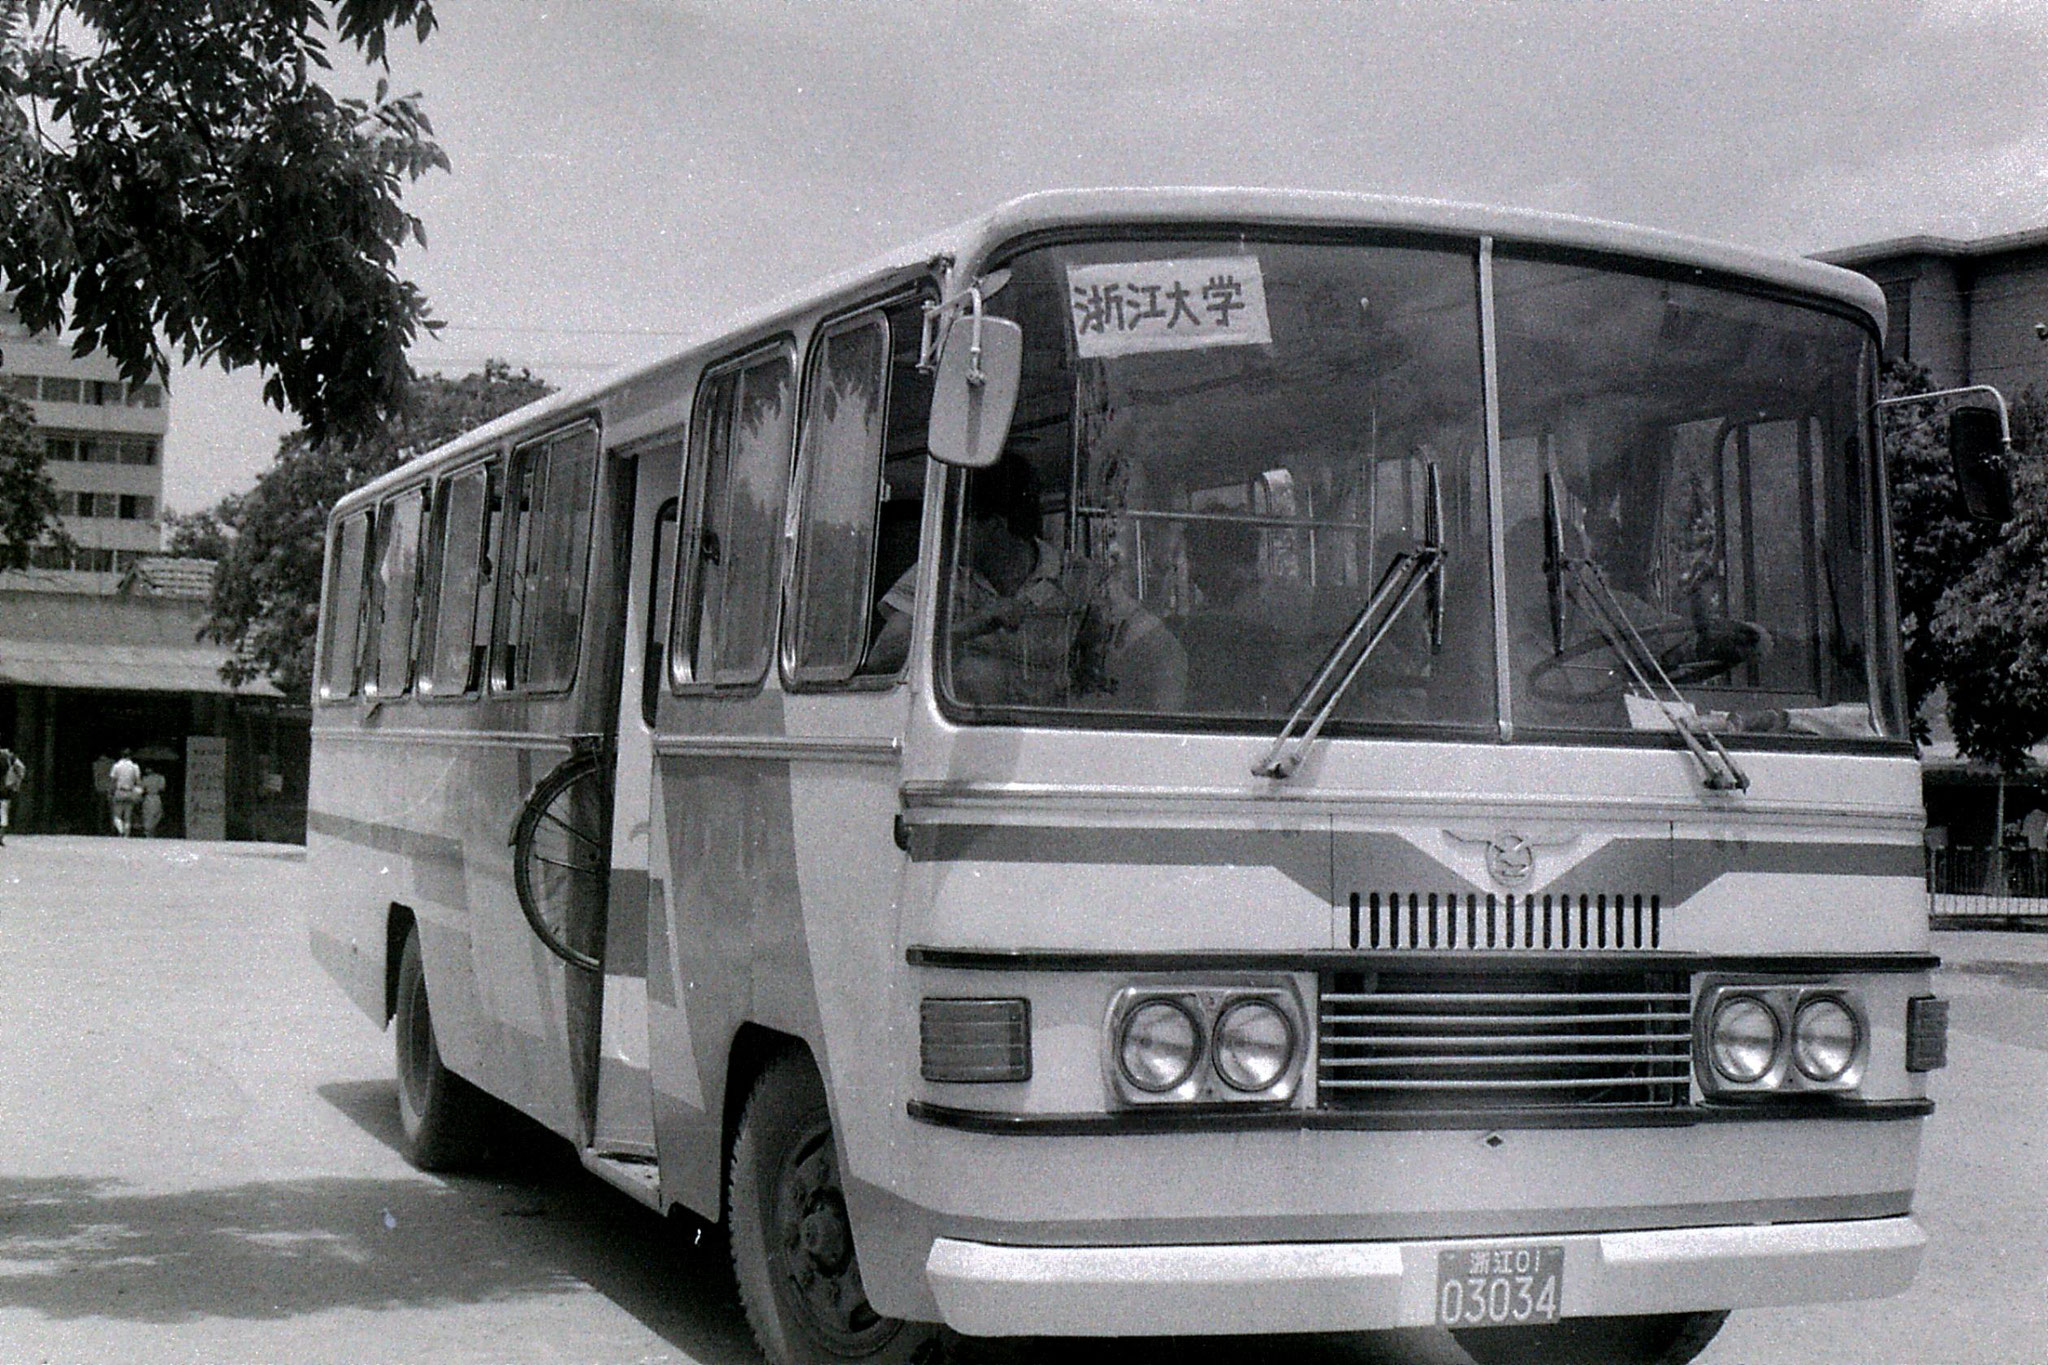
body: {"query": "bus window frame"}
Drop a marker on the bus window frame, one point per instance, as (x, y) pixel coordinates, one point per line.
(336, 530)
(377, 605)
(491, 466)
(503, 659)
(794, 678)
(660, 619)
(686, 610)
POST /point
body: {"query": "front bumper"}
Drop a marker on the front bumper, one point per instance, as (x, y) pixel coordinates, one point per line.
(989, 1290)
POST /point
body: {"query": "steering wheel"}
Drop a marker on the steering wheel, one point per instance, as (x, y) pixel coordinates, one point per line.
(1687, 654)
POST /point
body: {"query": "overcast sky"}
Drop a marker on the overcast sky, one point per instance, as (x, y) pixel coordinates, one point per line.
(625, 168)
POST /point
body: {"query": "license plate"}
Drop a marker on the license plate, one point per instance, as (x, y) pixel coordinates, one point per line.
(1498, 1286)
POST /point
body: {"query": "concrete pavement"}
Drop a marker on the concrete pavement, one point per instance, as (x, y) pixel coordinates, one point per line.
(198, 1163)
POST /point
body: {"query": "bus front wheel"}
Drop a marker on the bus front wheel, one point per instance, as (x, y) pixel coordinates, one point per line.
(440, 1115)
(792, 1243)
(1650, 1339)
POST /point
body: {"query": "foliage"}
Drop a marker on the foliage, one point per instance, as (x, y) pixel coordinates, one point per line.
(266, 594)
(1973, 599)
(1932, 541)
(172, 167)
(205, 534)
(28, 500)
(1990, 628)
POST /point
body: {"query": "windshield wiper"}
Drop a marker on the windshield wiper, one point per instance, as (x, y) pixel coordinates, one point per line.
(1408, 573)
(1718, 768)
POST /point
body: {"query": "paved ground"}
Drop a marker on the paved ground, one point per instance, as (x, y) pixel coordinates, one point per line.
(197, 1164)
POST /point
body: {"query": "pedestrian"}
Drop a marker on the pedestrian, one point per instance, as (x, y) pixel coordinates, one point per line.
(13, 772)
(153, 785)
(126, 777)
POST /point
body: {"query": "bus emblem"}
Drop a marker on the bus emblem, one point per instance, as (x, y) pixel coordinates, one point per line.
(1510, 858)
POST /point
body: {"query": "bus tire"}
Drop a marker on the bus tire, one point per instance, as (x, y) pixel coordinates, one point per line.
(792, 1245)
(440, 1115)
(1647, 1339)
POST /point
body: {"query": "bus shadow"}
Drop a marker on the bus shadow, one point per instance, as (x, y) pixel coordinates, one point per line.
(644, 1263)
(1421, 1346)
(668, 1273)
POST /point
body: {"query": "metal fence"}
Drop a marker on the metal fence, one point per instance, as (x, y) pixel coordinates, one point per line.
(1986, 881)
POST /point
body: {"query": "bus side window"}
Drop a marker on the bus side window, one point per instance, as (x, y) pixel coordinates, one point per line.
(903, 470)
(661, 592)
(554, 484)
(341, 649)
(863, 476)
(741, 450)
(452, 654)
(844, 428)
(394, 594)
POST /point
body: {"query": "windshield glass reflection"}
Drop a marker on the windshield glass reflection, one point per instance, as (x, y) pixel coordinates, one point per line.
(1219, 449)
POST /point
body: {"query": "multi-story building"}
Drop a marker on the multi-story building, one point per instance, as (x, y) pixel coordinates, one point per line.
(99, 645)
(103, 439)
(1970, 312)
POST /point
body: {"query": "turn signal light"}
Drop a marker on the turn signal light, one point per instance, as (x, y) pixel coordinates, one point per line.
(974, 1041)
(1926, 1033)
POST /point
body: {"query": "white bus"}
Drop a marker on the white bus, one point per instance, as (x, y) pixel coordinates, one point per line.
(1173, 762)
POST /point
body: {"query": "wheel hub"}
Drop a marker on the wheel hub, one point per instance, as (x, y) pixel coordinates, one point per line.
(818, 1252)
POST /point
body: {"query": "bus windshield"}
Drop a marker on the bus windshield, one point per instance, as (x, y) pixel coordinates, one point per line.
(1223, 448)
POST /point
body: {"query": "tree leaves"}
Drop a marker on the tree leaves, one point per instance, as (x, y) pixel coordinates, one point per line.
(1990, 627)
(270, 540)
(28, 500)
(1973, 600)
(185, 176)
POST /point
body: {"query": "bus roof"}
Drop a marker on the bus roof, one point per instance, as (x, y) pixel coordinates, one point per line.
(971, 241)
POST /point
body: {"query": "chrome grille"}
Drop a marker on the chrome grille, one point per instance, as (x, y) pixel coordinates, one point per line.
(1580, 922)
(1423, 1040)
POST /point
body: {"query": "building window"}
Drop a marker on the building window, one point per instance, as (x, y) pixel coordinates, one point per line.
(20, 385)
(62, 448)
(138, 452)
(103, 393)
(137, 507)
(145, 396)
(61, 390)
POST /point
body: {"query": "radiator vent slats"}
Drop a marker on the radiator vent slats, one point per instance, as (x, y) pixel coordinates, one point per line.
(1545, 921)
(1422, 1040)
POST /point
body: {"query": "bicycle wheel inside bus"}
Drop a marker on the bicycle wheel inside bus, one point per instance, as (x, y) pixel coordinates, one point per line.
(561, 855)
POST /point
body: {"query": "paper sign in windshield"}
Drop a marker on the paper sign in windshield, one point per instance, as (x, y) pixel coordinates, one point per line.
(1168, 305)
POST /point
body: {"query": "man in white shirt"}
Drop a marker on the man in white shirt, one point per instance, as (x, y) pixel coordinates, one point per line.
(126, 776)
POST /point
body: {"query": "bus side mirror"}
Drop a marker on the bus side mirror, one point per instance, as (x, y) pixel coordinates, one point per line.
(1976, 450)
(975, 391)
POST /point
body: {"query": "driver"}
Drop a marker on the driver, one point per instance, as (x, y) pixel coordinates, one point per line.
(1023, 618)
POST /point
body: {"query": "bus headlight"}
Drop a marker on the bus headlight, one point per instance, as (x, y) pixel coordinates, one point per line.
(1759, 1039)
(1825, 1036)
(1744, 1038)
(1229, 1039)
(1254, 1045)
(1159, 1046)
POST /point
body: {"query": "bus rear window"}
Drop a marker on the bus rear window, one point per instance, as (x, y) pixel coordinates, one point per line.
(340, 651)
